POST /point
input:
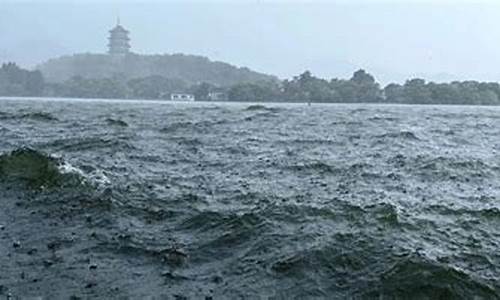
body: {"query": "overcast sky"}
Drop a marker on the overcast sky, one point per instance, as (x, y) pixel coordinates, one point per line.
(394, 40)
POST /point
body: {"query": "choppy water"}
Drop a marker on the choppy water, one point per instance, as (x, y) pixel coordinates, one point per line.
(219, 201)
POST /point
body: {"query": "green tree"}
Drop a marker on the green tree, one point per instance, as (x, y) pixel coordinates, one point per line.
(253, 92)
(308, 88)
(155, 87)
(15, 81)
(201, 91)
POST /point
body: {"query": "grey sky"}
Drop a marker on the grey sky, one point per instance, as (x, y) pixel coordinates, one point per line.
(394, 40)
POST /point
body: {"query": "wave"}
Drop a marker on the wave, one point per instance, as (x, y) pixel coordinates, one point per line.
(35, 168)
(224, 221)
(303, 141)
(420, 278)
(176, 126)
(359, 110)
(35, 116)
(202, 126)
(40, 116)
(449, 168)
(480, 214)
(88, 143)
(444, 167)
(384, 212)
(372, 273)
(5, 115)
(259, 107)
(347, 123)
(116, 122)
(96, 177)
(130, 246)
(261, 115)
(314, 166)
(322, 167)
(39, 170)
(447, 132)
(405, 135)
(462, 115)
(382, 118)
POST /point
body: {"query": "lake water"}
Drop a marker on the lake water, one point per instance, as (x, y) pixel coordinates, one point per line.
(115, 199)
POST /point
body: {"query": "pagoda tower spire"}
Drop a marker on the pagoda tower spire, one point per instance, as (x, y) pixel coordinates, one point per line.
(119, 41)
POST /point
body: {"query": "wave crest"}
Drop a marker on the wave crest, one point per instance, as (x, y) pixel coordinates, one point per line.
(35, 168)
(416, 278)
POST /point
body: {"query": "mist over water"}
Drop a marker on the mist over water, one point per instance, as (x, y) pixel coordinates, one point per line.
(187, 201)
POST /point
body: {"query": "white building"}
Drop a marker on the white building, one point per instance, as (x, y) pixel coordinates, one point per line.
(182, 97)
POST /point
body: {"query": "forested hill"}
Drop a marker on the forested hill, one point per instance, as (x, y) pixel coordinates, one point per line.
(189, 68)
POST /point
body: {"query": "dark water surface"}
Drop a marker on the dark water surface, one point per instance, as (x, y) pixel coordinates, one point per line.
(240, 201)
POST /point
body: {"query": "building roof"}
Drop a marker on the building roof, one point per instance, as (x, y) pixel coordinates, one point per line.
(118, 28)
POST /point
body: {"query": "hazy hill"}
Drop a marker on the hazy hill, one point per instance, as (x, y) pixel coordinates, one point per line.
(189, 68)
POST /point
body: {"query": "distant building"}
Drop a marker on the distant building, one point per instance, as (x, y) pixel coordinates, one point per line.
(217, 96)
(119, 42)
(182, 97)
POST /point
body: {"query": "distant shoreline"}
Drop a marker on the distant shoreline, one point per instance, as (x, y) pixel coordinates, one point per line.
(104, 100)
(362, 87)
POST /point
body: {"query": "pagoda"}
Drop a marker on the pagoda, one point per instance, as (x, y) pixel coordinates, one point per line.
(118, 41)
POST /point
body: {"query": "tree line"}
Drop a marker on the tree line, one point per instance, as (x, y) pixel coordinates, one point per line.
(15, 81)
(360, 88)
(363, 88)
(190, 68)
